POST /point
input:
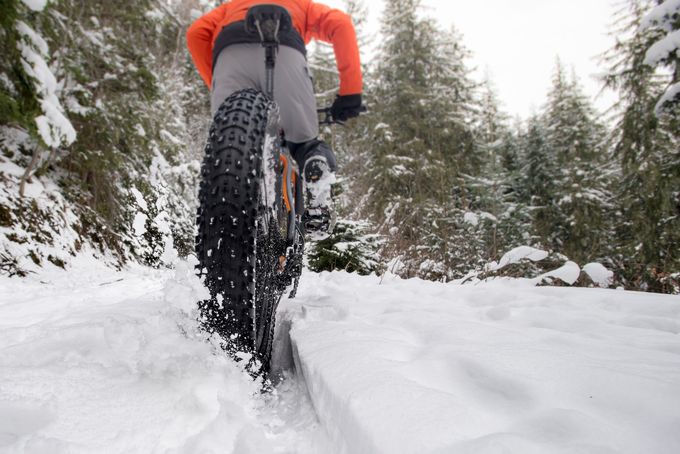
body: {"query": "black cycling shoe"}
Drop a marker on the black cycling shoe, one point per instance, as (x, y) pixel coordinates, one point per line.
(319, 216)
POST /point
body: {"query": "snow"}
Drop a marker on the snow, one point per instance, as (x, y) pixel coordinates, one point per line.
(471, 218)
(319, 194)
(139, 224)
(139, 129)
(35, 5)
(418, 367)
(154, 14)
(139, 199)
(664, 17)
(488, 216)
(661, 15)
(517, 255)
(111, 362)
(663, 49)
(53, 126)
(268, 192)
(95, 360)
(600, 275)
(55, 232)
(567, 273)
(672, 94)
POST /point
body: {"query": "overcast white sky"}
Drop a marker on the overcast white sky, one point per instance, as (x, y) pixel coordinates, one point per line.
(517, 42)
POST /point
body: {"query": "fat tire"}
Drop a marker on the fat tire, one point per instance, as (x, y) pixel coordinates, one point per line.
(237, 255)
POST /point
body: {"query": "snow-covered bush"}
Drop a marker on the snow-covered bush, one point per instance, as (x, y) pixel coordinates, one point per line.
(351, 248)
(542, 268)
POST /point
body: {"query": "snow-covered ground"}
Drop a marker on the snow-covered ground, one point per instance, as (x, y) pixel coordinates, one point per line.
(100, 361)
(504, 367)
(94, 361)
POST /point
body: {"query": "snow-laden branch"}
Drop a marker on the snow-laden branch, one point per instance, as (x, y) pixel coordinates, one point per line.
(36, 5)
(664, 49)
(667, 49)
(53, 126)
(661, 15)
(672, 95)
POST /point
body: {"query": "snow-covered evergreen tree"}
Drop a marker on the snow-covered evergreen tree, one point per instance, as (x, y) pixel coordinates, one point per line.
(647, 150)
(539, 172)
(666, 50)
(501, 209)
(575, 145)
(121, 82)
(423, 142)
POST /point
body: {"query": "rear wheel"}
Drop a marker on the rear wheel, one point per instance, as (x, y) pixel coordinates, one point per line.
(239, 238)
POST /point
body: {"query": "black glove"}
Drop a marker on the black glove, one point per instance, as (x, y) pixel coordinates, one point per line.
(346, 107)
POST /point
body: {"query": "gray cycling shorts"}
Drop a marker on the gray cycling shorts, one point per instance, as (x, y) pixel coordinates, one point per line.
(241, 66)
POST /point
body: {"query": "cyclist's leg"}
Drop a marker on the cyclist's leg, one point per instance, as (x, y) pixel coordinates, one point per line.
(237, 67)
(294, 93)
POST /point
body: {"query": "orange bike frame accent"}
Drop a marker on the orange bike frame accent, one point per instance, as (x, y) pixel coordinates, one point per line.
(287, 201)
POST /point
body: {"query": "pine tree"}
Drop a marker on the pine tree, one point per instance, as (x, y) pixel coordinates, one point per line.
(538, 187)
(502, 211)
(646, 148)
(401, 171)
(422, 143)
(576, 147)
(117, 79)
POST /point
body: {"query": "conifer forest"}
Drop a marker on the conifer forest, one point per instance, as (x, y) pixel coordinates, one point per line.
(436, 181)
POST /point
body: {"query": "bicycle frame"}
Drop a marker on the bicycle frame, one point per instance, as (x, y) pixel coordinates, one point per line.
(292, 193)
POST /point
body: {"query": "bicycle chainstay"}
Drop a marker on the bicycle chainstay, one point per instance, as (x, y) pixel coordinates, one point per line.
(290, 257)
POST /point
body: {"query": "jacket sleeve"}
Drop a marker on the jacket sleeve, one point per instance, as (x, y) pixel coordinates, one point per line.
(200, 41)
(335, 27)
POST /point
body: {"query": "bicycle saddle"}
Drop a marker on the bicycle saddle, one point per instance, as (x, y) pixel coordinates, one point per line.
(268, 21)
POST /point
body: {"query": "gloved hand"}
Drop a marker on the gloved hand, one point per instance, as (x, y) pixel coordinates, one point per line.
(346, 107)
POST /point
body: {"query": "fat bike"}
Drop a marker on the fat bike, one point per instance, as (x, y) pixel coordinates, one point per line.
(250, 240)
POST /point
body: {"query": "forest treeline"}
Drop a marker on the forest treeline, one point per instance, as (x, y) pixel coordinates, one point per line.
(436, 178)
(451, 182)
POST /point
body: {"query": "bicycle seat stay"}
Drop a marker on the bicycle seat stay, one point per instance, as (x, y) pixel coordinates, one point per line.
(268, 21)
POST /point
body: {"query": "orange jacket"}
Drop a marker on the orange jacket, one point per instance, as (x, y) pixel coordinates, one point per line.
(311, 20)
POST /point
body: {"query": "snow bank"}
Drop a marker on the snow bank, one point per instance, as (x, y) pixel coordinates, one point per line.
(567, 273)
(418, 367)
(50, 235)
(600, 275)
(94, 361)
(517, 255)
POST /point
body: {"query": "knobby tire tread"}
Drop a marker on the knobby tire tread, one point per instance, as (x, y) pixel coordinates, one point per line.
(236, 256)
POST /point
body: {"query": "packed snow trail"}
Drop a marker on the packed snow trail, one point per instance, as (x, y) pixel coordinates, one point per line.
(397, 366)
(110, 362)
(94, 361)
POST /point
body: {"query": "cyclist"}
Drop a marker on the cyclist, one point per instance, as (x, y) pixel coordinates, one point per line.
(229, 59)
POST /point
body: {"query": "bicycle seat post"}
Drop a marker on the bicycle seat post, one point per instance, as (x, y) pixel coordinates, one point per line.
(270, 65)
(268, 21)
